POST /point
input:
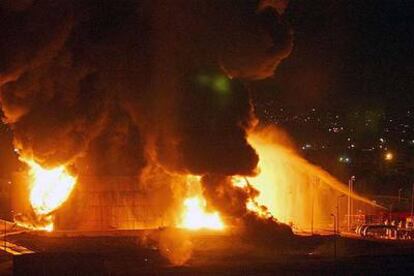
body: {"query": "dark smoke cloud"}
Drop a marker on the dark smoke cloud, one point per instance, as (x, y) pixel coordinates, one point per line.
(214, 140)
(228, 199)
(257, 40)
(200, 42)
(114, 86)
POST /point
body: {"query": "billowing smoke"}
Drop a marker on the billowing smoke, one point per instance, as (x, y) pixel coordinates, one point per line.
(116, 87)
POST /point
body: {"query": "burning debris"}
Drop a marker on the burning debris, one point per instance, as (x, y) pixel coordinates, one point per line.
(196, 218)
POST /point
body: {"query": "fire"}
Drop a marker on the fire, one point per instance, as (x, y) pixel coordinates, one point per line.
(252, 204)
(195, 216)
(49, 189)
(291, 189)
(47, 226)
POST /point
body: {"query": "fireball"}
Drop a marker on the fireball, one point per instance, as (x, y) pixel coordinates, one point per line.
(195, 217)
(48, 190)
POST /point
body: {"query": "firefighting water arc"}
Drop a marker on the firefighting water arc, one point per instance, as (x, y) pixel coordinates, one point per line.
(291, 189)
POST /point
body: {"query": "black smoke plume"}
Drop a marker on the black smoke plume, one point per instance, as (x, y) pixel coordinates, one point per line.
(112, 87)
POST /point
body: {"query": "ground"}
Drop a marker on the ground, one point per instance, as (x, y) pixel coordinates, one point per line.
(6, 263)
(140, 252)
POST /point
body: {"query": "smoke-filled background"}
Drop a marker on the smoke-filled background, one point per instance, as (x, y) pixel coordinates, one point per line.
(147, 89)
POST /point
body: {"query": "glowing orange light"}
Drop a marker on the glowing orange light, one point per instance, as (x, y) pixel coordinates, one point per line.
(195, 216)
(389, 156)
(291, 189)
(49, 189)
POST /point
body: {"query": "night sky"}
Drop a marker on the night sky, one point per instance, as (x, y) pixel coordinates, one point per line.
(347, 55)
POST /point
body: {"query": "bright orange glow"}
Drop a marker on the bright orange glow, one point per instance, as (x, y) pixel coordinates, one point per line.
(195, 216)
(47, 227)
(291, 189)
(252, 204)
(389, 156)
(261, 210)
(49, 189)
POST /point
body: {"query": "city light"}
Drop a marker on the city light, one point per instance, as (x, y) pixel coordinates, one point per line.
(389, 156)
(344, 159)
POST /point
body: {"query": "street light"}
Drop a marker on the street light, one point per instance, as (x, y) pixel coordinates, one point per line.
(4, 237)
(337, 211)
(388, 156)
(350, 191)
(412, 205)
(334, 221)
(313, 201)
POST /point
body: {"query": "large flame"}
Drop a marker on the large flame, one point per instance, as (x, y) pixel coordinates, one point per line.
(195, 216)
(49, 189)
(291, 189)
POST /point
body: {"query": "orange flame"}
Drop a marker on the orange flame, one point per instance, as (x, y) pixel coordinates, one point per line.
(291, 189)
(195, 217)
(49, 189)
